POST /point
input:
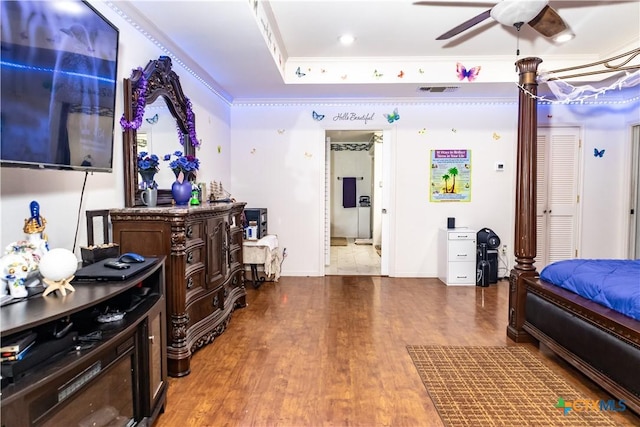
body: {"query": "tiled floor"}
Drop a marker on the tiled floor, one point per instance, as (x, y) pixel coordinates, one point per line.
(354, 260)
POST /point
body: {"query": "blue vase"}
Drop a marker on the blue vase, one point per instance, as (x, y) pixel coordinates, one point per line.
(148, 179)
(181, 192)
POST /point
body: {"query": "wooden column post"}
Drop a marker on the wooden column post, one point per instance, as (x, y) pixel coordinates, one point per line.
(525, 210)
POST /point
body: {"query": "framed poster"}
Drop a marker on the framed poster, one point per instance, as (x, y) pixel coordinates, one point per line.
(450, 176)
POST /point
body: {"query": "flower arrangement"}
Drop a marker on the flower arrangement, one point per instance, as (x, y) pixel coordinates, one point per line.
(148, 161)
(187, 165)
(148, 166)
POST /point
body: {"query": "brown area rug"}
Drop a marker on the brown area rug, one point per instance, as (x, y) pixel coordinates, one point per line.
(338, 241)
(499, 386)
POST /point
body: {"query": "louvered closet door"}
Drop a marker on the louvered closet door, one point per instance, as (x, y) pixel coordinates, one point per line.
(557, 198)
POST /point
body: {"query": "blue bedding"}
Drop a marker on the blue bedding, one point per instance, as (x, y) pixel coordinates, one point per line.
(613, 283)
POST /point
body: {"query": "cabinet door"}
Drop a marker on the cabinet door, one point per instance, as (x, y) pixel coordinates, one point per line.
(156, 331)
(216, 251)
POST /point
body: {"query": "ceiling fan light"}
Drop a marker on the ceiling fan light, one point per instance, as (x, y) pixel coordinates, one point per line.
(509, 12)
(564, 36)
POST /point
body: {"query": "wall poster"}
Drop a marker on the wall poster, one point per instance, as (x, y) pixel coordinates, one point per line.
(450, 176)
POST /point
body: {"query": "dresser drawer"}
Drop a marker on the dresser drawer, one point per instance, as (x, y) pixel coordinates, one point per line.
(462, 235)
(194, 283)
(462, 272)
(194, 230)
(462, 250)
(194, 255)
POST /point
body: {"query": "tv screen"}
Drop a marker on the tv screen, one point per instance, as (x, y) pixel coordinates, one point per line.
(58, 85)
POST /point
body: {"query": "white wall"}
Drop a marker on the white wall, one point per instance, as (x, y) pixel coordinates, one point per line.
(284, 147)
(59, 192)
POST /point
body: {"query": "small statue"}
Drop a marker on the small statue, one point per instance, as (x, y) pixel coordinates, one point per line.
(15, 269)
(22, 257)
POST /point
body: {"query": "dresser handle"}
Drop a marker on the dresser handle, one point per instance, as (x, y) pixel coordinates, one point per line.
(190, 231)
(215, 301)
(226, 292)
(189, 282)
(189, 257)
(152, 338)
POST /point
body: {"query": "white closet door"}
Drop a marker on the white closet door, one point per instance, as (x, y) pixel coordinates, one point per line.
(558, 155)
(541, 198)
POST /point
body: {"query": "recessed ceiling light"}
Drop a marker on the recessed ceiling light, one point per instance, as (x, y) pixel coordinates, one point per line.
(346, 39)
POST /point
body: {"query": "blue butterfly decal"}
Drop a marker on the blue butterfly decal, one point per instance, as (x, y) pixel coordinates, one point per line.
(597, 153)
(153, 120)
(300, 73)
(393, 116)
(317, 116)
(468, 74)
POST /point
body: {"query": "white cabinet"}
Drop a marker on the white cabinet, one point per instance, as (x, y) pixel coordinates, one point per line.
(364, 222)
(457, 256)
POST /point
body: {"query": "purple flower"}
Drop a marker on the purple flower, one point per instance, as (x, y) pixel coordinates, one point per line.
(141, 103)
(188, 165)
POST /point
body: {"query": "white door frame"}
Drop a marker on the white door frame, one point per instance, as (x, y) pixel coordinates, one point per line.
(633, 248)
(388, 201)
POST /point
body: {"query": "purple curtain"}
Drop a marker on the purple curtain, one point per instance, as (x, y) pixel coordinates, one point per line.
(348, 192)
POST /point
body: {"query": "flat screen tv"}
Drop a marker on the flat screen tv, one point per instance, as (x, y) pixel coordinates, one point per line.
(58, 85)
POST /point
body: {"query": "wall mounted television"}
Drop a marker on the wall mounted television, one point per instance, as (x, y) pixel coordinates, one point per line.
(58, 85)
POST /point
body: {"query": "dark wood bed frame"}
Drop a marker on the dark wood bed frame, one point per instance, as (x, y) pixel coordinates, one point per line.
(601, 343)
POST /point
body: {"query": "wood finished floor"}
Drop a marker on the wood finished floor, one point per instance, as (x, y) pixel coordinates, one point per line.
(331, 351)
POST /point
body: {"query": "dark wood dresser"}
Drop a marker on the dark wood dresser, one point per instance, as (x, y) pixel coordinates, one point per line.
(205, 280)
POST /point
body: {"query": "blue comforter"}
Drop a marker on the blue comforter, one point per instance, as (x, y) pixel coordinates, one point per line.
(613, 283)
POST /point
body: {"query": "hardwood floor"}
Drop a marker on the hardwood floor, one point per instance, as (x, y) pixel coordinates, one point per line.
(331, 351)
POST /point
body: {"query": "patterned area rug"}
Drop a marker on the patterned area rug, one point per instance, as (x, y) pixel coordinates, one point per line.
(338, 241)
(500, 386)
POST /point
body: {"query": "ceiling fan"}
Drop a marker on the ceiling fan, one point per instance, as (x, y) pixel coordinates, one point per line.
(537, 13)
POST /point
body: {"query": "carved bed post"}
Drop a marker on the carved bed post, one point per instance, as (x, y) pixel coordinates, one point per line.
(525, 224)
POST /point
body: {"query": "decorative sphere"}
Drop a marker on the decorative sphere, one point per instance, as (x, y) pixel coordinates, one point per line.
(58, 264)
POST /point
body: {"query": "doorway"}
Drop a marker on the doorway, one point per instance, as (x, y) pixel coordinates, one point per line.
(353, 229)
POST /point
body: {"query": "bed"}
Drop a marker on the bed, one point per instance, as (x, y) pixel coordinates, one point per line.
(599, 341)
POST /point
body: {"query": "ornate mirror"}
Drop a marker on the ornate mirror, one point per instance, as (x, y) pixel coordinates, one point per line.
(149, 88)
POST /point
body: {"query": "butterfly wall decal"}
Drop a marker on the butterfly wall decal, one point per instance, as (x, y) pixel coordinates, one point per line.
(597, 153)
(317, 117)
(152, 120)
(300, 73)
(401, 74)
(470, 74)
(393, 116)
(496, 136)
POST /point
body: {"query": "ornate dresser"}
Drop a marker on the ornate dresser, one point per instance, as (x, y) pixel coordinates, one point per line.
(204, 271)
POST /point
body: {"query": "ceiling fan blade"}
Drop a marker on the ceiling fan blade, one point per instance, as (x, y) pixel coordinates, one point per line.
(548, 22)
(465, 25)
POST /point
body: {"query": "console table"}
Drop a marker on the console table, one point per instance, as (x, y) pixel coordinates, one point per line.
(119, 376)
(205, 280)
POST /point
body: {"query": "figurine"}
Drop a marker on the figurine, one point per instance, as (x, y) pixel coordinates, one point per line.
(15, 269)
(22, 257)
